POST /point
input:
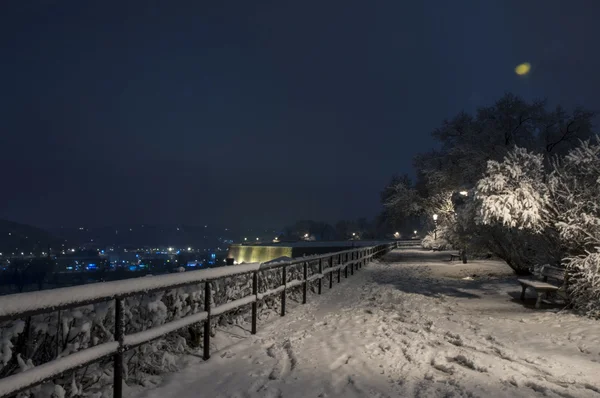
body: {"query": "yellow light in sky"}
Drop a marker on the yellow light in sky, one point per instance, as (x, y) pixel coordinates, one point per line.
(523, 69)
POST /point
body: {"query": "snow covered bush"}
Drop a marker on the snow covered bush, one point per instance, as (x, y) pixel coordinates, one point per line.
(513, 192)
(436, 241)
(512, 211)
(531, 215)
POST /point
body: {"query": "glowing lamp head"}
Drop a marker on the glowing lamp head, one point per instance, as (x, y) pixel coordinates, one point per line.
(435, 217)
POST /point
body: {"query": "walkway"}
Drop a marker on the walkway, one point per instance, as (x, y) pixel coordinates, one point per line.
(407, 326)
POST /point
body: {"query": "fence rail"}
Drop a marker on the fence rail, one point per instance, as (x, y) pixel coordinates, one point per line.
(18, 306)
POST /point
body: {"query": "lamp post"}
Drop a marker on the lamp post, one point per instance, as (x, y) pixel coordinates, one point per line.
(435, 217)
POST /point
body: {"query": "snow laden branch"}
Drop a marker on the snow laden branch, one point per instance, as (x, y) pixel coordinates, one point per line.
(575, 188)
(513, 192)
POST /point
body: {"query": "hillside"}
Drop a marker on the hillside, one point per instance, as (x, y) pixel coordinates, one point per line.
(17, 238)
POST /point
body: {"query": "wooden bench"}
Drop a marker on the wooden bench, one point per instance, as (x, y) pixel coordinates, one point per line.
(543, 287)
(454, 256)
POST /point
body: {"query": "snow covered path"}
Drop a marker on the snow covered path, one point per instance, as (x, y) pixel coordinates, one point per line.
(408, 326)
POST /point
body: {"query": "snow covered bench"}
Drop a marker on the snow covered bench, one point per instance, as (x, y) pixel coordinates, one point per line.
(543, 287)
(454, 256)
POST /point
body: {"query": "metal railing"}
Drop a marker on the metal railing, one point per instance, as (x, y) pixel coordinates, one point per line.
(18, 306)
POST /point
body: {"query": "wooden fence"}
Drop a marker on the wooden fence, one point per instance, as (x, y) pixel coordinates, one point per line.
(19, 306)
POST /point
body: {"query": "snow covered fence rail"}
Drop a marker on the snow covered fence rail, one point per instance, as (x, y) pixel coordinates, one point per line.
(19, 306)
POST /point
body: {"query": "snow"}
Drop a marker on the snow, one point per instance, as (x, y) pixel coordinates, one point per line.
(37, 374)
(298, 282)
(270, 292)
(407, 326)
(158, 331)
(311, 278)
(50, 299)
(232, 305)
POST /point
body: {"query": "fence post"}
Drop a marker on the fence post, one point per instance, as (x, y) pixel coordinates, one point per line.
(320, 272)
(254, 304)
(304, 284)
(330, 272)
(346, 266)
(118, 357)
(58, 334)
(206, 347)
(283, 281)
(339, 269)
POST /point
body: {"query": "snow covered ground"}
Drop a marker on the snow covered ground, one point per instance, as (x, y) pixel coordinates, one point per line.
(406, 326)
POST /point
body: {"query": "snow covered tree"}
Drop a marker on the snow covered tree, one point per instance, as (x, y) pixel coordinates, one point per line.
(575, 189)
(468, 142)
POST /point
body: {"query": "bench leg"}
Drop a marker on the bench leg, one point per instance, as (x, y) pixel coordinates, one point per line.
(538, 303)
(523, 292)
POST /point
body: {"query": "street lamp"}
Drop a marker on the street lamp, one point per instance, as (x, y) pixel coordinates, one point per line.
(435, 217)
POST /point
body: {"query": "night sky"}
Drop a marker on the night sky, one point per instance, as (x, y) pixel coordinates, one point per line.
(246, 114)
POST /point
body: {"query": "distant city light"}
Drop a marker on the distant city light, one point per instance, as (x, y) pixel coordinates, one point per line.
(256, 238)
(245, 238)
(189, 249)
(170, 249)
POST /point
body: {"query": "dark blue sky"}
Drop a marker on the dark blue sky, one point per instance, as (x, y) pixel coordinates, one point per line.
(257, 114)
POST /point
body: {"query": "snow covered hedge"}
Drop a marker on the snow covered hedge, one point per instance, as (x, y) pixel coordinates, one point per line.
(36, 340)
